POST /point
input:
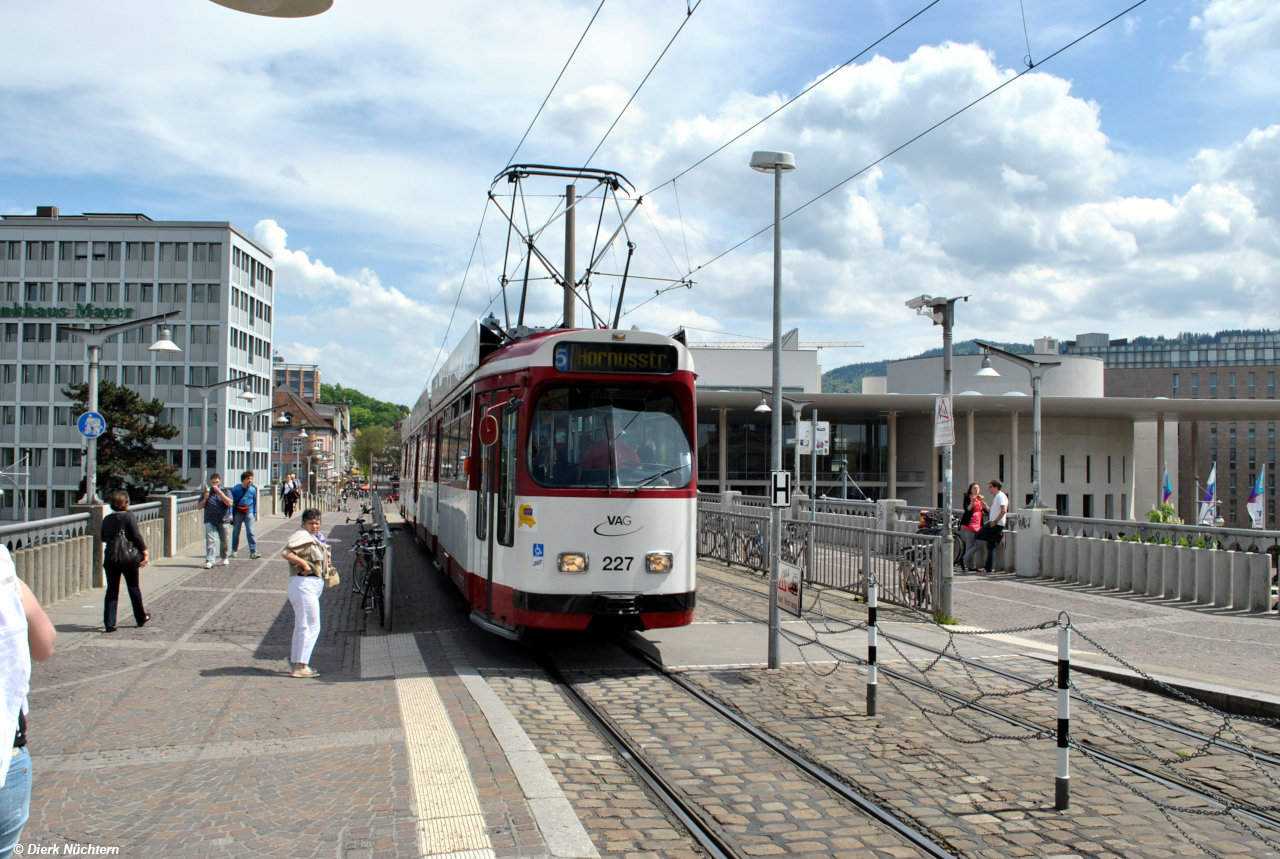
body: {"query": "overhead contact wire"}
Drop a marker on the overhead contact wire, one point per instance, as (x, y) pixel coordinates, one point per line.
(688, 15)
(927, 131)
(819, 82)
(572, 54)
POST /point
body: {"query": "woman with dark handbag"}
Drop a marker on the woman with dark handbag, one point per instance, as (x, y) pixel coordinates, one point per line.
(124, 553)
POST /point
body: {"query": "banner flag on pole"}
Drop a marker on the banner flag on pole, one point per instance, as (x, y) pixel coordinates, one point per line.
(1208, 505)
(1257, 499)
(1167, 493)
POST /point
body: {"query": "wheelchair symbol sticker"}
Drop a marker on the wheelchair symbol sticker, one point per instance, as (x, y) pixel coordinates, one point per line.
(539, 556)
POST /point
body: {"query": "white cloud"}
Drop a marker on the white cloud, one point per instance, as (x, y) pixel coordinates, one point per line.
(1238, 30)
(364, 333)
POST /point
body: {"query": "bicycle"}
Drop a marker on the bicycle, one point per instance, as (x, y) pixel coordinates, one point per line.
(367, 570)
(915, 576)
(931, 524)
(751, 550)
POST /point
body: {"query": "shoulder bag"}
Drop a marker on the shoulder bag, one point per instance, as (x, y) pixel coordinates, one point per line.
(120, 551)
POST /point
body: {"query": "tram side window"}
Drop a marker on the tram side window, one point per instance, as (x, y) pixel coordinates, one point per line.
(598, 438)
(507, 480)
(456, 441)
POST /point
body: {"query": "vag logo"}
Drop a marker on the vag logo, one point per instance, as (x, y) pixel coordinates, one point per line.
(616, 526)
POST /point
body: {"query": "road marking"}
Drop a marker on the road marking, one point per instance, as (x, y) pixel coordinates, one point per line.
(450, 823)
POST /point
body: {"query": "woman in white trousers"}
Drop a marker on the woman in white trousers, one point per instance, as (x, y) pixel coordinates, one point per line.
(305, 586)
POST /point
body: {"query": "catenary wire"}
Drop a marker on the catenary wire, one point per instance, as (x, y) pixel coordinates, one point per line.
(927, 131)
(819, 82)
(1029, 62)
(542, 106)
(688, 15)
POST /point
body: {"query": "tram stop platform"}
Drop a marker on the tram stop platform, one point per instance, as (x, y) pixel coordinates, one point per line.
(190, 736)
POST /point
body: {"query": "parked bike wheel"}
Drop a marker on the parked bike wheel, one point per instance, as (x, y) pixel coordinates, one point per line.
(375, 594)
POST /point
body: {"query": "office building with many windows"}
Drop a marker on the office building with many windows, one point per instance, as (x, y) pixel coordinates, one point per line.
(1229, 365)
(60, 272)
(303, 379)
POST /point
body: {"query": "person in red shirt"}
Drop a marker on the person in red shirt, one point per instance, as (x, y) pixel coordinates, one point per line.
(597, 455)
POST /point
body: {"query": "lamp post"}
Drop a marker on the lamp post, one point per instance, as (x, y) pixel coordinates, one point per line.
(1037, 367)
(776, 163)
(94, 339)
(281, 422)
(205, 390)
(943, 312)
(253, 430)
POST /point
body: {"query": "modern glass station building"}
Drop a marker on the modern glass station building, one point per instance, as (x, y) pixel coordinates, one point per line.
(58, 272)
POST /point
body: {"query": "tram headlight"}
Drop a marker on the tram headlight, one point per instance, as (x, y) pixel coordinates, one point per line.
(658, 562)
(572, 562)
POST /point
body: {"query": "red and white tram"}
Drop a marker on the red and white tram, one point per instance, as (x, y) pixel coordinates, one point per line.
(553, 478)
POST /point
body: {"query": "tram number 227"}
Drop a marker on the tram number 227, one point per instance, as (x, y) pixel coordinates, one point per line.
(617, 563)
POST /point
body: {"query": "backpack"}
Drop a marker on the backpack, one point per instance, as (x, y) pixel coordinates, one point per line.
(121, 552)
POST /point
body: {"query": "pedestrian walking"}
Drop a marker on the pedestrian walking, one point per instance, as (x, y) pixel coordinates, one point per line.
(971, 521)
(25, 634)
(289, 494)
(244, 511)
(217, 505)
(308, 559)
(993, 532)
(124, 553)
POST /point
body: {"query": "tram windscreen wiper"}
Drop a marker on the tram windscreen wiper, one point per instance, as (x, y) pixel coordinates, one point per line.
(649, 480)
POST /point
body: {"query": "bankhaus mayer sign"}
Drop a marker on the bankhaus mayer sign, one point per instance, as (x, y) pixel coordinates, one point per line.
(81, 311)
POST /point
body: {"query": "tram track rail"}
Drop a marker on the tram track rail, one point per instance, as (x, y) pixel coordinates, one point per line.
(1268, 820)
(698, 821)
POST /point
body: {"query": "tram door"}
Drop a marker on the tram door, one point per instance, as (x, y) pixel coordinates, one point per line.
(495, 500)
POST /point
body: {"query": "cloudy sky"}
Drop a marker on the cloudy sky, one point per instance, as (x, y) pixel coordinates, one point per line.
(1129, 185)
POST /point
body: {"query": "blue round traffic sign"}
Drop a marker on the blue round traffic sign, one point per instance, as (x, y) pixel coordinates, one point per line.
(91, 425)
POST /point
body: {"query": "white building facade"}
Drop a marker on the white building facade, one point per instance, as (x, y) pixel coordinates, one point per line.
(60, 272)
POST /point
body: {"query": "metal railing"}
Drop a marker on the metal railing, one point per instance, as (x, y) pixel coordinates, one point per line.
(1176, 535)
(388, 559)
(188, 503)
(22, 535)
(843, 556)
(147, 511)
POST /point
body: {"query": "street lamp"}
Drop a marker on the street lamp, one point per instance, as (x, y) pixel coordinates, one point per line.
(94, 339)
(204, 390)
(1037, 367)
(278, 8)
(776, 163)
(943, 312)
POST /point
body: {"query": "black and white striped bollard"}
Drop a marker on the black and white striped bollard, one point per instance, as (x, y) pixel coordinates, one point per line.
(871, 647)
(1062, 784)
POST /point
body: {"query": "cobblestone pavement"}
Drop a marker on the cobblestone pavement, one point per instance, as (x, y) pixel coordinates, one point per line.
(189, 737)
(823, 716)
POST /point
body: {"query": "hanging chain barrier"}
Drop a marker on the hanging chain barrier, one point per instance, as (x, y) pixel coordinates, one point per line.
(1144, 756)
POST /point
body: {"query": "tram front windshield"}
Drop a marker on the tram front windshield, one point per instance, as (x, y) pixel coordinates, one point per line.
(609, 438)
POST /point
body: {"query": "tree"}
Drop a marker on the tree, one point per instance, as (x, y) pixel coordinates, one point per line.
(370, 440)
(127, 458)
(365, 410)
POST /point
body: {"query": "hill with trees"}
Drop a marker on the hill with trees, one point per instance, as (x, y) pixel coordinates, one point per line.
(848, 379)
(365, 410)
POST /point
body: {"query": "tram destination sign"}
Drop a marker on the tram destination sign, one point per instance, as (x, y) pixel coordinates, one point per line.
(646, 358)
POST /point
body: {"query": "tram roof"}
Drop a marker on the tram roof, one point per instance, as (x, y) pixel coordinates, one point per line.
(481, 347)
